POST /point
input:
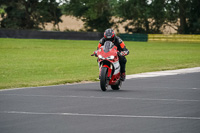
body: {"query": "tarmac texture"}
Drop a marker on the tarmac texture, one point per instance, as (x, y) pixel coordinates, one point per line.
(164, 104)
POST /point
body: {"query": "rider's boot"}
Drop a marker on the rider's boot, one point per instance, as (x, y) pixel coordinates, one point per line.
(123, 76)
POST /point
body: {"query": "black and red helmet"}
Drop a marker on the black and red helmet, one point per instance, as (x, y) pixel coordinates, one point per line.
(109, 34)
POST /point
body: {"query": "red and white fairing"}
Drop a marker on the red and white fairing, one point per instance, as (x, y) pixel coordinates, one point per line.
(108, 57)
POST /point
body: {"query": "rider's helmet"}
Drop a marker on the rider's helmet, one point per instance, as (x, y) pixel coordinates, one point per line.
(109, 34)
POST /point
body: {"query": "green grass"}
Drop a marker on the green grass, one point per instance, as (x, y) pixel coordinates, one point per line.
(34, 62)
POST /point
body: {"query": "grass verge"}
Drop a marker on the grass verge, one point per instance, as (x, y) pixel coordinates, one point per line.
(35, 62)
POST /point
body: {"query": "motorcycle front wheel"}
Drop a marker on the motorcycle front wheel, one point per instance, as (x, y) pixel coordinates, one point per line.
(104, 79)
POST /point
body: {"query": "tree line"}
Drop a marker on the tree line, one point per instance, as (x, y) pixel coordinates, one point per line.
(142, 16)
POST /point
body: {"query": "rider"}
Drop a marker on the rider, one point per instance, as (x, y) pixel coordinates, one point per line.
(109, 35)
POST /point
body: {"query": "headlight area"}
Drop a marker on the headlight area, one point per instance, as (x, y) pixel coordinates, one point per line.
(101, 57)
(108, 58)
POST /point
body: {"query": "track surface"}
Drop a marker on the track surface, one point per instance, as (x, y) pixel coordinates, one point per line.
(167, 104)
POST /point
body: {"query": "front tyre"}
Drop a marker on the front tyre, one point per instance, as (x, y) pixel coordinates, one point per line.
(117, 86)
(104, 79)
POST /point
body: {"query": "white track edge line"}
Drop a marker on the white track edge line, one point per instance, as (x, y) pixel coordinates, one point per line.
(141, 75)
(102, 115)
(95, 97)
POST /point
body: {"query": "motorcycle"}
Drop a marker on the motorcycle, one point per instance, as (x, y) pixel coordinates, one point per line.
(109, 67)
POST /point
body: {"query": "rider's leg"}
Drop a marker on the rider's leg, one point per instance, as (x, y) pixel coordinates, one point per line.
(122, 61)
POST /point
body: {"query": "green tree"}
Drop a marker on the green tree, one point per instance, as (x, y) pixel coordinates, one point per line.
(183, 8)
(29, 14)
(177, 11)
(135, 11)
(96, 14)
(157, 15)
(148, 16)
(144, 16)
(187, 13)
(194, 17)
(2, 10)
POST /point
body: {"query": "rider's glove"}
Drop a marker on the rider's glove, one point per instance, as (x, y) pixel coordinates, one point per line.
(123, 53)
(95, 53)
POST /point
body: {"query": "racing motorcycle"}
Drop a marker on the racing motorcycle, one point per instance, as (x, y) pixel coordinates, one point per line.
(109, 67)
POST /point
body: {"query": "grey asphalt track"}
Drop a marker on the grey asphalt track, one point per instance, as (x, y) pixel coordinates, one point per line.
(166, 104)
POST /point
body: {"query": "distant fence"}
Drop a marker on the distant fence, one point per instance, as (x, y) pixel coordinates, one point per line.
(160, 37)
(175, 37)
(29, 34)
(134, 37)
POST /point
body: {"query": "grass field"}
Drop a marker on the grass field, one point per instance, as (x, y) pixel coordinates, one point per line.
(34, 62)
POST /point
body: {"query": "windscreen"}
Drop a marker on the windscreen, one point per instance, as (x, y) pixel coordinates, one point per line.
(107, 46)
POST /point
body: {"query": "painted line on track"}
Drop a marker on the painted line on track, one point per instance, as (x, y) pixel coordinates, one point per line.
(96, 97)
(164, 73)
(100, 115)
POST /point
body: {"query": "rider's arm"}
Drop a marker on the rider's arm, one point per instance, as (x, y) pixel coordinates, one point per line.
(124, 51)
(99, 45)
(101, 42)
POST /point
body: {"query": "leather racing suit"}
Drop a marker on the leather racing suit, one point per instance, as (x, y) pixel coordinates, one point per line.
(121, 48)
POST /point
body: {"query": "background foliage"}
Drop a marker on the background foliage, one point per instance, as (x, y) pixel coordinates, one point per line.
(29, 14)
(143, 16)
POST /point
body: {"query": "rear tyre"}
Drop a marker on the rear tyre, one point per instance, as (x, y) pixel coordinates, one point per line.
(103, 79)
(117, 86)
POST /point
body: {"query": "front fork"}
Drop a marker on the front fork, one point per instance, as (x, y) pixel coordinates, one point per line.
(109, 70)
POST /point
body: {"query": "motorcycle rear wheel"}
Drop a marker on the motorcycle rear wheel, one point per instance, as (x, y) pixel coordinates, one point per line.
(104, 79)
(117, 86)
